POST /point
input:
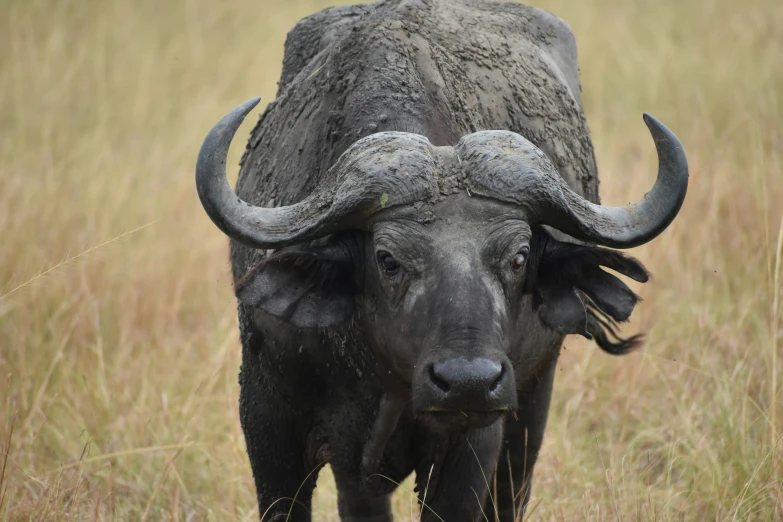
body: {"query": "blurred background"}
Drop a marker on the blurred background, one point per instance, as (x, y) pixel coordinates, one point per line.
(119, 350)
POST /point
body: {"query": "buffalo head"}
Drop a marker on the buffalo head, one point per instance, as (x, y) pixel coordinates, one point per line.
(445, 258)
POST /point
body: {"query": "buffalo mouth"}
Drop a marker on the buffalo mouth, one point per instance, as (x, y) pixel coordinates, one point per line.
(460, 420)
(455, 394)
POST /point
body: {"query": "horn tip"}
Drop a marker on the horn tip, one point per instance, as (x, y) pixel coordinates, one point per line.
(249, 104)
(651, 121)
(661, 132)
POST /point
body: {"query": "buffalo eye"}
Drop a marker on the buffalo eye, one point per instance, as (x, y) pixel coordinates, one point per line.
(388, 263)
(519, 259)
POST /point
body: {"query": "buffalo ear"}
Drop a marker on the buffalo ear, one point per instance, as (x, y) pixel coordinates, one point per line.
(304, 286)
(574, 295)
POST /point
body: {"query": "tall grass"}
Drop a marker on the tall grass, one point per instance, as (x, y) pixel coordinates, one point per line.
(118, 343)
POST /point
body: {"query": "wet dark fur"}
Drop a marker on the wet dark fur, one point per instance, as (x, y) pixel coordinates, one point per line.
(444, 69)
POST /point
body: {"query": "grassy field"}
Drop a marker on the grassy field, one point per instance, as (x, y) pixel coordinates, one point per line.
(119, 350)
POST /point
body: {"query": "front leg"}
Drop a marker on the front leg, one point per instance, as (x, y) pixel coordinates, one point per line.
(389, 412)
(464, 479)
(359, 499)
(276, 447)
(356, 506)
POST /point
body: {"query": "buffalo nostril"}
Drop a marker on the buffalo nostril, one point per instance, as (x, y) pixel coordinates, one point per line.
(496, 382)
(460, 384)
(439, 382)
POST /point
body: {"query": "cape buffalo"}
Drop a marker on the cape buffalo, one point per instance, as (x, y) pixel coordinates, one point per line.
(415, 229)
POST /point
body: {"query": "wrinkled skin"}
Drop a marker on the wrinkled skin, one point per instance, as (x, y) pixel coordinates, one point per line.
(457, 293)
(447, 315)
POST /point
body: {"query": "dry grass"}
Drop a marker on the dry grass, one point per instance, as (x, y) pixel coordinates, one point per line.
(118, 343)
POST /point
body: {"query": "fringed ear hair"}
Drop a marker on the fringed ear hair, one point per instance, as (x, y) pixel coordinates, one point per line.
(574, 295)
(603, 329)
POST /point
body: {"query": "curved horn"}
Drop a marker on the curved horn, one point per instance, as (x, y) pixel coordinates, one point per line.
(256, 227)
(382, 170)
(640, 222)
(508, 167)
